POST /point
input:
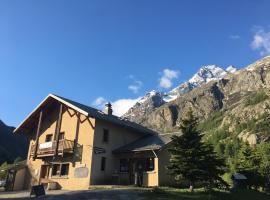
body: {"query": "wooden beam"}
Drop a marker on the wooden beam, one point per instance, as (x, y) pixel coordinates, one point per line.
(58, 129)
(77, 129)
(76, 138)
(38, 134)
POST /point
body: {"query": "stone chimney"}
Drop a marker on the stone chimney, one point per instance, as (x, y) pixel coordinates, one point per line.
(108, 108)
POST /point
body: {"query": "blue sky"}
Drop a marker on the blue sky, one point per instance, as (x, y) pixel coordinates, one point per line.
(119, 49)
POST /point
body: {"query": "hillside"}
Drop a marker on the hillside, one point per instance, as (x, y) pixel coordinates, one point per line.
(11, 145)
(240, 100)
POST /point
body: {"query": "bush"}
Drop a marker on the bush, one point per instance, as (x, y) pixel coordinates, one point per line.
(249, 125)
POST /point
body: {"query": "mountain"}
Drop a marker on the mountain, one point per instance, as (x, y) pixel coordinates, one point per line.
(238, 104)
(11, 145)
(155, 99)
(204, 75)
(145, 105)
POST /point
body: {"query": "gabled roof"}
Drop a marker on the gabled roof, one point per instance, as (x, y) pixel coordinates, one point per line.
(89, 112)
(146, 143)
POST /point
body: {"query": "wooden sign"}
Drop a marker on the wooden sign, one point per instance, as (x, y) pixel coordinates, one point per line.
(99, 150)
(37, 190)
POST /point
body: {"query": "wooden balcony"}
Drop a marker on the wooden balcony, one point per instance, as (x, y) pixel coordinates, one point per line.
(48, 148)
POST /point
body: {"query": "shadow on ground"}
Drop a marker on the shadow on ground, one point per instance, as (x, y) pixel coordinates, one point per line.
(142, 194)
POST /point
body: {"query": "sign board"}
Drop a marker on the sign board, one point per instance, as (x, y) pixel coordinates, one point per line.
(81, 172)
(37, 190)
(99, 150)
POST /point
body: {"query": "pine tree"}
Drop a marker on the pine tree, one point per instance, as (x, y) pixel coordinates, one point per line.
(264, 168)
(191, 159)
(213, 167)
(248, 164)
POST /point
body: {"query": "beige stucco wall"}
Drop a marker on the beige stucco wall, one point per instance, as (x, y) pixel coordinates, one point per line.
(85, 139)
(118, 136)
(164, 178)
(19, 179)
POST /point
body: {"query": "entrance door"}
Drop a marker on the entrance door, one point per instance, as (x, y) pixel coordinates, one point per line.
(136, 169)
(44, 172)
(10, 180)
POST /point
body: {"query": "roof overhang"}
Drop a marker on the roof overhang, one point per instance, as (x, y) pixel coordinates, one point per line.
(42, 104)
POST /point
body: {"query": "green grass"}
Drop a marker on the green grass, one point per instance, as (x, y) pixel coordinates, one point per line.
(200, 194)
(256, 98)
(212, 122)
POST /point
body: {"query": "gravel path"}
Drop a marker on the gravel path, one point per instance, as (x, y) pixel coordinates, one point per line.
(104, 194)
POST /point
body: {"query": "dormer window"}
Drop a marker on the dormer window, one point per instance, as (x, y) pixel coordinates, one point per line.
(105, 135)
(48, 138)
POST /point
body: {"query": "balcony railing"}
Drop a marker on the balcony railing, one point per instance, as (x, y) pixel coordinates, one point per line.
(48, 148)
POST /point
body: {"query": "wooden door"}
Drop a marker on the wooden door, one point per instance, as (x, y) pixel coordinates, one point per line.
(44, 172)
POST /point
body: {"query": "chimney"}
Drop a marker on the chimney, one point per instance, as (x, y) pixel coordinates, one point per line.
(108, 108)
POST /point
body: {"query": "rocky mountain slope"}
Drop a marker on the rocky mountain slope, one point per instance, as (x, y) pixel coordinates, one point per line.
(242, 100)
(155, 99)
(11, 145)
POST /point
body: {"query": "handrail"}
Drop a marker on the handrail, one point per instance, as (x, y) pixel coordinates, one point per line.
(63, 147)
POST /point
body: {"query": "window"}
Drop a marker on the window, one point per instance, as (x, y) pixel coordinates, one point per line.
(48, 138)
(103, 163)
(61, 136)
(56, 170)
(123, 165)
(149, 165)
(105, 135)
(60, 169)
(64, 169)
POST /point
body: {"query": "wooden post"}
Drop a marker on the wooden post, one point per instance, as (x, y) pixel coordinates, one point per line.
(77, 130)
(76, 138)
(57, 130)
(37, 135)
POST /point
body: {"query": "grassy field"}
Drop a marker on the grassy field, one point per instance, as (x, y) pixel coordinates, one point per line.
(199, 194)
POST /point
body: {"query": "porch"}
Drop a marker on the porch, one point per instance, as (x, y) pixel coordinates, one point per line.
(48, 148)
(140, 169)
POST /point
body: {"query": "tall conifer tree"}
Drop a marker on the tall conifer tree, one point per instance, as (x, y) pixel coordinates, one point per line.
(191, 159)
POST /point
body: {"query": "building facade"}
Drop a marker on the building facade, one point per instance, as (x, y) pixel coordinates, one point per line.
(73, 146)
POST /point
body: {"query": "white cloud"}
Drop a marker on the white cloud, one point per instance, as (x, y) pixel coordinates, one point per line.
(135, 87)
(234, 37)
(121, 106)
(99, 102)
(167, 76)
(261, 41)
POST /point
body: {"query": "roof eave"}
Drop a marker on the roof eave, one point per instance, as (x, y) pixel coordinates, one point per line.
(39, 105)
(136, 151)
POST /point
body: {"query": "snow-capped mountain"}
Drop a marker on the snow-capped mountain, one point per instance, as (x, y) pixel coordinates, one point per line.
(231, 69)
(204, 75)
(155, 99)
(145, 105)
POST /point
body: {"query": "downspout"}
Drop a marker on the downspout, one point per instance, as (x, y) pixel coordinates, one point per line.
(154, 153)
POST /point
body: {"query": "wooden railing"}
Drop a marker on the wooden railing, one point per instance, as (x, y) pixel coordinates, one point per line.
(48, 148)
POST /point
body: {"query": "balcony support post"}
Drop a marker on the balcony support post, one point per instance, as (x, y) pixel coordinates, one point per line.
(58, 129)
(76, 137)
(37, 135)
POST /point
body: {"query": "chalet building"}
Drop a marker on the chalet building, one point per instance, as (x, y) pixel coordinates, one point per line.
(73, 146)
